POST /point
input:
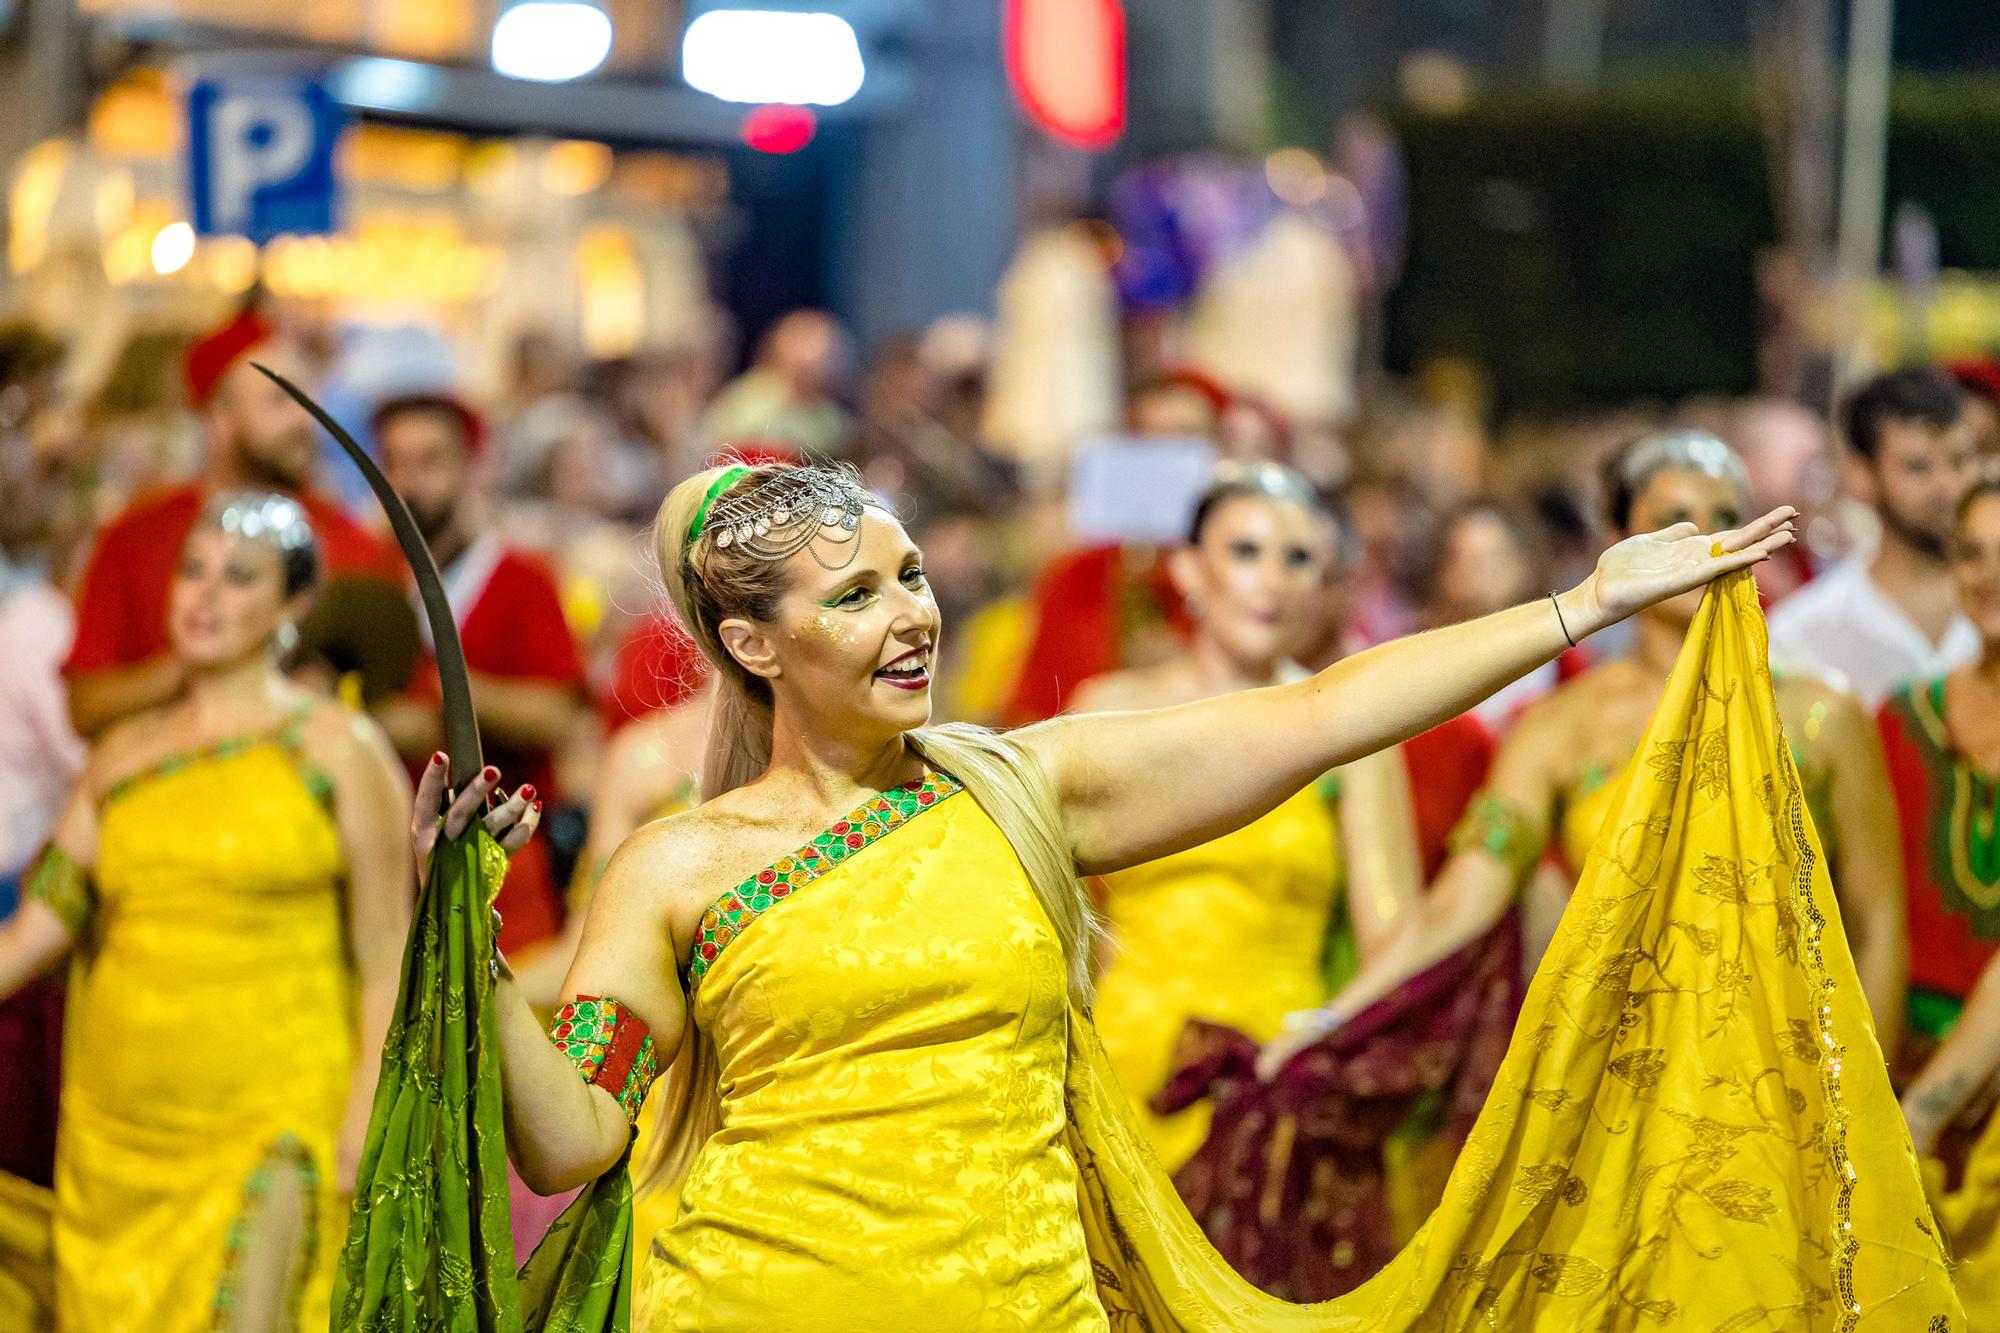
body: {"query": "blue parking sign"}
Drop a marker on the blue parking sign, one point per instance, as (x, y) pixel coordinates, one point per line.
(260, 156)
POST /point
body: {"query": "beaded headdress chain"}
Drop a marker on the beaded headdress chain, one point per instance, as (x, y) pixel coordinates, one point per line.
(782, 515)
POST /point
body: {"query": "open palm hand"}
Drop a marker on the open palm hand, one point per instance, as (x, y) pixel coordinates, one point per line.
(1653, 566)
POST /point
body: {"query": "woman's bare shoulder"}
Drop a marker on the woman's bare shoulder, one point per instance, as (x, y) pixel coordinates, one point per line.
(679, 861)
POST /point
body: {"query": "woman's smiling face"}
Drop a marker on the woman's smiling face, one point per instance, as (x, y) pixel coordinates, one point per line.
(854, 634)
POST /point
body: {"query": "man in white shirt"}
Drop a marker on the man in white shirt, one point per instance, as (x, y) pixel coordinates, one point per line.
(1877, 620)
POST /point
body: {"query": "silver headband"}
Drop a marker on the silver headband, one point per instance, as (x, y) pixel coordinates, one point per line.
(262, 516)
(782, 515)
(1683, 451)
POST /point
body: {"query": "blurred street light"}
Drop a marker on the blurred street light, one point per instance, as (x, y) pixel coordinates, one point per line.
(773, 56)
(551, 41)
(173, 248)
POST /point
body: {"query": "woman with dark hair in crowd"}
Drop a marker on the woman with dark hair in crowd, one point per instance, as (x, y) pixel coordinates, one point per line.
(889, 1107)
(231, 879)
(1236, 931)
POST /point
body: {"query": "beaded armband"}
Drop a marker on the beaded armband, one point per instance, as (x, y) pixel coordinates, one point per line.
(59, 881)
(1498, 828)
(609, 1046)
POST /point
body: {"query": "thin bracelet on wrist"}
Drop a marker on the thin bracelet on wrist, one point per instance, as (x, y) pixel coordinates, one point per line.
(1560, 621)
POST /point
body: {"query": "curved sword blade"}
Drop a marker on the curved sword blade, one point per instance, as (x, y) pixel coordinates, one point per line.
(461, 728)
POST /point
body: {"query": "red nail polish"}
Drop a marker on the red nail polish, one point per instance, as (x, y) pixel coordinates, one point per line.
(490, 773)
(437, 756)
(528, 792)
(537, 807)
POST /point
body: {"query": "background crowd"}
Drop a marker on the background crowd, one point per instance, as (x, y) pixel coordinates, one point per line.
(537, 503)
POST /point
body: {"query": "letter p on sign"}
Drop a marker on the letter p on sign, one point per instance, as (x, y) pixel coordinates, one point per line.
(261, 157)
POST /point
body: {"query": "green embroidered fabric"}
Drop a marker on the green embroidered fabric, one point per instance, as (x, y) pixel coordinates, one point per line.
(56, 879)
(430, 1246)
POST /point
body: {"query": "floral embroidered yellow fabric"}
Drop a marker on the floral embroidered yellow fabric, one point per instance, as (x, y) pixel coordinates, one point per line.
(1230, 931)
(209, 1031)
(891, 1040)
(1693, 1130)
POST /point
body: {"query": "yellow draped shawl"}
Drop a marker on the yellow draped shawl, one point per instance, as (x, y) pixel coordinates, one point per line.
(1693, 1128)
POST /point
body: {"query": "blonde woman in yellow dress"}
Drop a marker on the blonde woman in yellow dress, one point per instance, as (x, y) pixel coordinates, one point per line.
(231, 879)
(889, 1109)
(1234, 931)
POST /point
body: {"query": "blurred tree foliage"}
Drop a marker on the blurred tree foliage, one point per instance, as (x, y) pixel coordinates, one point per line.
(1594, 249)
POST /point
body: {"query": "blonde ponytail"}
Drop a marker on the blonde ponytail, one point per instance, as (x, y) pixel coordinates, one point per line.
(707, 585)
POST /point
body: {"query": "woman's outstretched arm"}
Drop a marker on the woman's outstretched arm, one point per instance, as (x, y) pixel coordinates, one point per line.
(1137, 786)
(1960, 1068)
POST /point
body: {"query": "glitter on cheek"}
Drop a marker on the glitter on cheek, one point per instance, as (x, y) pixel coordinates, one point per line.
(823, 628)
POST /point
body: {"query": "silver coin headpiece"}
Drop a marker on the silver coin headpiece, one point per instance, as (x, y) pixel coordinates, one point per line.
(782, 514)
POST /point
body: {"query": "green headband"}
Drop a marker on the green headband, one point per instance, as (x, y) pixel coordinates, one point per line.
(728, 477)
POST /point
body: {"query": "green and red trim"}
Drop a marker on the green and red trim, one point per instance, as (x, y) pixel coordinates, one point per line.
(732, 913)
(1962, 836)
(610, 1047)
(288, 736)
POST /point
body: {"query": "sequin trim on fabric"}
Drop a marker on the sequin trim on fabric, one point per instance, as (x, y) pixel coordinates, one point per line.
(610, 1047)
(1846, 1245)
(732, 913)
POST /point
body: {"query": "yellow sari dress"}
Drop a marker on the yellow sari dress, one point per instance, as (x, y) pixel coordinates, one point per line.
(1232, 931)
(1692, 1131)
(210, 1040)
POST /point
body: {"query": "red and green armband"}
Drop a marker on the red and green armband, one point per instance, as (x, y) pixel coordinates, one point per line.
(609, 1046)
(57, 880)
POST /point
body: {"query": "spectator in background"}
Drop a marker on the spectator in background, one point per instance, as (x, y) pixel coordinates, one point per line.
(527, 678)
(1980, 378)
(1391, 523)
(41, 758)
(1486, 558)
(1107, 608)
(789, 394)
(908, 446)
(1873, 622)
(255, 437)
(1784, 447)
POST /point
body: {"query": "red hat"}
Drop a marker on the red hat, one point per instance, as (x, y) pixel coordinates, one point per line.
(471, 423)
(758, 453)
(212, 357)
(1978, 375)
(1202, 383)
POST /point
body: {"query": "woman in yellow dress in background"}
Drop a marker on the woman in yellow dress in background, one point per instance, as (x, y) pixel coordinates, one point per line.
(1556, 776)
(1236, 930)
(888, 1106)
(233, 882)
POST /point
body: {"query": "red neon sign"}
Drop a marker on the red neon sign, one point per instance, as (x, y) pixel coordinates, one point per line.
(1066, 60)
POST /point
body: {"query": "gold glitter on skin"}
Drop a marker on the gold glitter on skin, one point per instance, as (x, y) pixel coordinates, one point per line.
(826, 630)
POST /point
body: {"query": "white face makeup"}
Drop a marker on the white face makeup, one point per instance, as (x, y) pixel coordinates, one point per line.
(227, 598)
(1256, 576)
